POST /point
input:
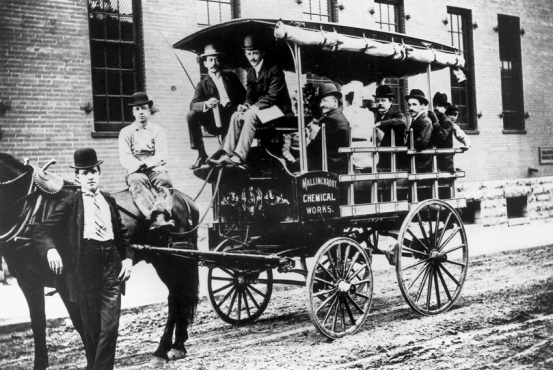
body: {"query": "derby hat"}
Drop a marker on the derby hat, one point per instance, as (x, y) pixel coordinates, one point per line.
(440, 99)
(140, 98)
(452, 108)
(251, 42)
(211, 50)
(417, 94)
(328, 89)
(85, 158)
(384, 91)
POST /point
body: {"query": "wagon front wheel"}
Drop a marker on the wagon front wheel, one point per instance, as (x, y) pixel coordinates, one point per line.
(431, 257)
(238, 296)
(339, 288)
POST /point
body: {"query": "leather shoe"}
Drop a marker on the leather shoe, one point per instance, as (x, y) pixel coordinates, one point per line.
(232, 161)
(216, 157)
(200, 161)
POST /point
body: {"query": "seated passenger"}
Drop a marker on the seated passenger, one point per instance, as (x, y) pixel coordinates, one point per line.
(388, 119)
(337, 132)
(219, 91)
(442, 132)
(267, 98)
(422, 128)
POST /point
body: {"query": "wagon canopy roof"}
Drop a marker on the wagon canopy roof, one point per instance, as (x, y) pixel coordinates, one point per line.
(341, 53)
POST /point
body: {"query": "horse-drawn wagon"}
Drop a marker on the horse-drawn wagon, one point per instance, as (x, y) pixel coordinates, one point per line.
(272, 216)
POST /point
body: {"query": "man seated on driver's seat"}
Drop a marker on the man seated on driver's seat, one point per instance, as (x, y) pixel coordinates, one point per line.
(143, 153)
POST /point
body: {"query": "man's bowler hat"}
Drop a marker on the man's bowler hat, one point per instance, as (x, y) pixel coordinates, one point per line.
(440, 99)
(384, 91)
(252, 42)
(452, 109)
(85, 158)
(140, 98)
(328, 89)
(417, 94)
(211, 50)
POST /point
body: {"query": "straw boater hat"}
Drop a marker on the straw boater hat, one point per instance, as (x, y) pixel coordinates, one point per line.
(85, 158)
(140, 98)
(328, 89)
(384, 91)
(211, 50)
(417, 94)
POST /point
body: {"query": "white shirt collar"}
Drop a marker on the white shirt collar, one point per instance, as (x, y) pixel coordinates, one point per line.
(88, 192)
(258, 68)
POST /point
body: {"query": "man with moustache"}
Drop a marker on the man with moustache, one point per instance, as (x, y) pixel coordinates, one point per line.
(422, 128)
(219, 92)
(337, 132)
(93, 254)
(267, 98)
(388, 119)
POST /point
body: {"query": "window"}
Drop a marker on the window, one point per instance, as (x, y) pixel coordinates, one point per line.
(388, 18)
(320, 10)
(116, 60)
(463, 93)
(511, 73)
(211, 12)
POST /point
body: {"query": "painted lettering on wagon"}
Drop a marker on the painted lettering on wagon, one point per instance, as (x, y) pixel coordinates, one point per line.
(319, 195)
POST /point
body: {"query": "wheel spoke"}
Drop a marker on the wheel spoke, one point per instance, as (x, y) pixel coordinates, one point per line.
(257, 291)
(343, 316)
(355, 304)
(449, 274)
(362, 282)
(353, 260)
(252, 297)
(323, 292)
(229, 272)
(417, 240)
(222, 288)
(415, 264)
(339, 260)
(361, 295)
(437, 227)
(335, 322)
(456, 263)
(364, 267)
(422, 228)
(332, 264)
(437, 288)
(430, 233)
(226, 296)
(327, 316)
(222, 278)
(444, 284)
(232, 302)
(454, 248)
(421, 287)
(246, 303)
(327, 271)
(324, 281)
(415, 251)
(448, 239)
(326, 301)
(429, 291)
(425, 268)
(239, 305)
(446, 224)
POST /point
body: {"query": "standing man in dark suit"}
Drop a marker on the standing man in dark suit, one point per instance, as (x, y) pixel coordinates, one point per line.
(93, 253)
(422, 128)
(442, 132)
(218, 93)
(337, 132)
(267, 98)
(388, 119)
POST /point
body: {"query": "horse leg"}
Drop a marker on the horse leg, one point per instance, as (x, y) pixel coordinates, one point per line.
(34, 294)
(181, 328)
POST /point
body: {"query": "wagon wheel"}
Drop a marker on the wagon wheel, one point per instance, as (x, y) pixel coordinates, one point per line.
(238, 296)
(339, 288)
(431, 257)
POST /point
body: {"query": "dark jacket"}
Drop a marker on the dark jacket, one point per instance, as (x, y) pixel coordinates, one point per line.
(269, 88)
(64, 229)
(393, 120)
(442, 137)
(422, 134)
(206, 90)
(337, 135)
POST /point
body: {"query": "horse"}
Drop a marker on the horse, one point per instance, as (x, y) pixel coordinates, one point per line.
(24, 205)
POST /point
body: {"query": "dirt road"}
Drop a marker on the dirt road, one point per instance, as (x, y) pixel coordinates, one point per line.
(503, 320)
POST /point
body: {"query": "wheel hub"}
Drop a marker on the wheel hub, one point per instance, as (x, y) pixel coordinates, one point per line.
(345, 287)
(438, 256)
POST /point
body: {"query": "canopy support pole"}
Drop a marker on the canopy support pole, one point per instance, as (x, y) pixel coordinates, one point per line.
(301, 118)
(435, 193)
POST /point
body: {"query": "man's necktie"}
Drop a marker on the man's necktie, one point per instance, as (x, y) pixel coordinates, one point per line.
(99, 225)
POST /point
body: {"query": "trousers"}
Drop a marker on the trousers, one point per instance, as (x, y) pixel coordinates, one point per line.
(241, 133)
(151, 201)
(196, 120)
(100, 303)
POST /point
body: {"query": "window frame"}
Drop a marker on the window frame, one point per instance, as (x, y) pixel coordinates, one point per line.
(332, 13)
(234, 11)
(509, 41)
(108, 128)
(465, 15)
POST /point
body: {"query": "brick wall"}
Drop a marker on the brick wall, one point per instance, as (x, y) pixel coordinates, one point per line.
(45, 75)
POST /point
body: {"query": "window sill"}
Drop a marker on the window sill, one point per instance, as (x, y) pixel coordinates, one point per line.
(472, 132)
(514, 132)
(104, 134)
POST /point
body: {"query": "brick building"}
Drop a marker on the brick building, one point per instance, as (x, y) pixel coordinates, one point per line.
(68, 67)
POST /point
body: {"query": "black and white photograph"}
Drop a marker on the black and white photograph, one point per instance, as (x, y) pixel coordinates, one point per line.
(276, 184)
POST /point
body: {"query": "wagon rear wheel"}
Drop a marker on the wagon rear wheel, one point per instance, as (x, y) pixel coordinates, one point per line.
(239, 296)
(431, 257)
(339, 288)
